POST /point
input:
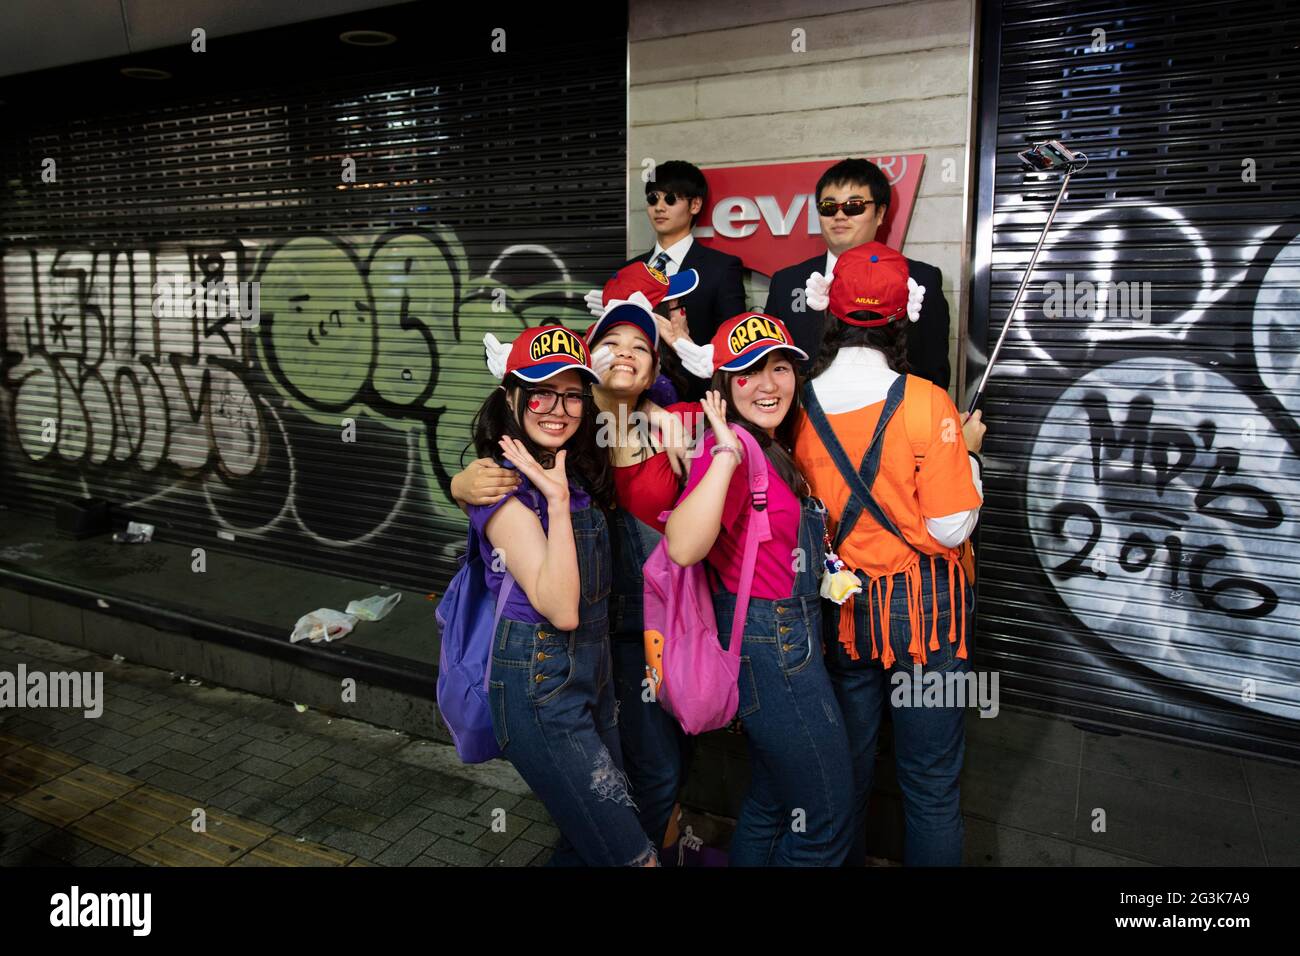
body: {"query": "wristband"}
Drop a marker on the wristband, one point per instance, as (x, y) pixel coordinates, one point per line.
(978, 460)
(728, 448)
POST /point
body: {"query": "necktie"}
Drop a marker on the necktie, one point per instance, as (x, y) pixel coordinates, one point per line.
(661, 263)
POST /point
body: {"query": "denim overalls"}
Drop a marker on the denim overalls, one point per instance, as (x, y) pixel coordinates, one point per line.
(798, 809)
(555, 720)
(656, 752)
(929, 741)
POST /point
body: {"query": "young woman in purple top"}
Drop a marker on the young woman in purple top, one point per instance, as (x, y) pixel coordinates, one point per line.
(550, 688)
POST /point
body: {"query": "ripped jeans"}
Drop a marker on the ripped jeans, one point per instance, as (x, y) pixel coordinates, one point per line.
(553, 712)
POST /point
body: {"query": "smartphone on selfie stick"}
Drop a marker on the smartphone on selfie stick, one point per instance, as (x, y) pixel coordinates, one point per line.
(1049, 156)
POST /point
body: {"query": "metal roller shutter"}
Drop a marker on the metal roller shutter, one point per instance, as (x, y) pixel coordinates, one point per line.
(1140, 541)
(489, 195)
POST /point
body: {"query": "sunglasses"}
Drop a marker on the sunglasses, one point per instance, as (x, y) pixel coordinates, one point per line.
(851, 207)
(670, 199)
(542, 401)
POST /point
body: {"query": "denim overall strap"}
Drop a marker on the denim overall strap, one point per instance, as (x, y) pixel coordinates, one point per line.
(633, 540)
(812, 527)
(859, 481)
(591, 534)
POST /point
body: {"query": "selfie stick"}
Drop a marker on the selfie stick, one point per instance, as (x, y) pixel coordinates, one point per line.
(1042, 156)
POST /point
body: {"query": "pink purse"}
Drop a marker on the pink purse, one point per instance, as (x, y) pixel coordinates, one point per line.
(692, 676)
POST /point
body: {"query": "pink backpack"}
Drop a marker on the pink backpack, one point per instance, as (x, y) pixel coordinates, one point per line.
(688, 671)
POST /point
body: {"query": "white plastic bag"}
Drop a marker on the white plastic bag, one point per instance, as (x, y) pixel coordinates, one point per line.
(375, 607)
(322, 624)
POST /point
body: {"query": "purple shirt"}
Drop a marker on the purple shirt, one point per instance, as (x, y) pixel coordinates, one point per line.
(517, 607)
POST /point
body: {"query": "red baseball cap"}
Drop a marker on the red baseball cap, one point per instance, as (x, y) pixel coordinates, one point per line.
(650, 282)
(744, 339)
(871, 277)
(546, 351)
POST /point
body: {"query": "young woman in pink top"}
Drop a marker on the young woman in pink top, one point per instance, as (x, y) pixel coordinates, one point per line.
(797, 810)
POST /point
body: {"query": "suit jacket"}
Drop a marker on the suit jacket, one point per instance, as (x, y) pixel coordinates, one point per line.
(719, 296)
(927, 338)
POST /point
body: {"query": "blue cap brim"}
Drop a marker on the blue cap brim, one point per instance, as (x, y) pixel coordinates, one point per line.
(746, 359)
(546, 370)
(626, 313)
(683, 283)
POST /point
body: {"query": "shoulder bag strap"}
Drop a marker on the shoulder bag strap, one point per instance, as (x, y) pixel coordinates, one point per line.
(758, 529)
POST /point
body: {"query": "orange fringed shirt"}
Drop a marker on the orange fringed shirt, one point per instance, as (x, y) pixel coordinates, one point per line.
(909, 490)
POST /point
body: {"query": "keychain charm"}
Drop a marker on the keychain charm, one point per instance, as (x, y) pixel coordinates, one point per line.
(838, 582)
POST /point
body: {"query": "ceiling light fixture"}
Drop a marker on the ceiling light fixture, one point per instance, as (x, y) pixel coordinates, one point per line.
(145, 73)
(367, 37)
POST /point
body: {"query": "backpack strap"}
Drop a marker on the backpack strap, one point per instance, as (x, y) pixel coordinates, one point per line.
(474, 553)
(758, 529)
(861, 479)
(916, 422)
(507, 583)
(916, 417)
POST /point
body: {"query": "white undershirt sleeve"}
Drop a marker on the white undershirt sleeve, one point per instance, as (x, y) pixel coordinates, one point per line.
(951, 530)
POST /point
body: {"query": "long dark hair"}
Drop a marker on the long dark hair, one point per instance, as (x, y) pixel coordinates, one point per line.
(586, 461)
(890, 339)
(670, 366)
(778, 448)
(647, 449)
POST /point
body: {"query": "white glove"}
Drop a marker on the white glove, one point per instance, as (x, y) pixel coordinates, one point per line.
(696, 359)
(595, 300)
(915, 296)
(601, 360)
(496, 356)
(816, 292)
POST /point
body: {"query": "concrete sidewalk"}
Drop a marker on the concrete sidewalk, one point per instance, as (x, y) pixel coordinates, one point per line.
(278, 787)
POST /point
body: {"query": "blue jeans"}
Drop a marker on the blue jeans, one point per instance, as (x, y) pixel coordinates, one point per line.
(554, 716)
(798, 811)
(929, 741)
(656, 752)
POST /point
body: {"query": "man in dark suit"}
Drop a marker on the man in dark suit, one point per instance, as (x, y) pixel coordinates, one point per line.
(856, 193)
(674, 197)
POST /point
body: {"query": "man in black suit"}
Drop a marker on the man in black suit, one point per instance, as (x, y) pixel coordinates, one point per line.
(856, 193)
(674, 197)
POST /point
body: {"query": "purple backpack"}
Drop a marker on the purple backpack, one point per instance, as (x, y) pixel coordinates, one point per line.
(690, 674)
(467, 618)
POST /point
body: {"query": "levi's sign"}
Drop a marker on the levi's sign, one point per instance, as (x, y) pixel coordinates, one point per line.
(767, 215)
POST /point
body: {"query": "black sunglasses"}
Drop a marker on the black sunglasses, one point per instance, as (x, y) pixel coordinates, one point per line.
(670, 199)
(851, 207)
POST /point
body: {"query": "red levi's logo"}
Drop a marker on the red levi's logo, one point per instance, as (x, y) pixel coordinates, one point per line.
(767, 215)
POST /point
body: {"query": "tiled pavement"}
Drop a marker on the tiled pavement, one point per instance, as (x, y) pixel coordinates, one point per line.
(281, 787)
(276, 786)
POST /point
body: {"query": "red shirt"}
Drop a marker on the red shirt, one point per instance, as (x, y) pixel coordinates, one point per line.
(649, 488)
